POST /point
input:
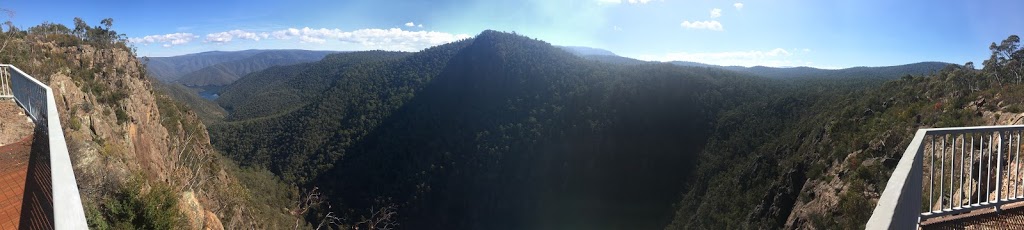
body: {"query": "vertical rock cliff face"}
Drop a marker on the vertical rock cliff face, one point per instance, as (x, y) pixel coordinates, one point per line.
(137, 144)
(129, 146)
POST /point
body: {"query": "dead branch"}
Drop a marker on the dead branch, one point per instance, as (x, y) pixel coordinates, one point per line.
(311, 200)
(383, 218)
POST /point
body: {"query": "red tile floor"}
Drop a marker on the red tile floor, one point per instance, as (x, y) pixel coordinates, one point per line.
(14, 159)
(25, 195)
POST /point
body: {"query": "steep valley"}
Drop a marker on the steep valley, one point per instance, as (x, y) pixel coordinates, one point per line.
(503, 131)
(496, 131)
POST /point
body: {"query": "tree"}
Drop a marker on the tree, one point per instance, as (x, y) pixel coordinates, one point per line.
(1006, 57)
(80, 27)
(108, 22)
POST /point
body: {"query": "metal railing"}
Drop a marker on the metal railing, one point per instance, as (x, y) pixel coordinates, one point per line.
(947, 171)
(5, 85)
(38, 101)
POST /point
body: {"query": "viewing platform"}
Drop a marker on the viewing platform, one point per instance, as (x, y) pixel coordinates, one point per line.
(17, 183)
(956, 178)
(38, 189)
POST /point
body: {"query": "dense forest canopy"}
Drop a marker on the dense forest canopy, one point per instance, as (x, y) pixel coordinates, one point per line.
(504, 131)
(493, 131)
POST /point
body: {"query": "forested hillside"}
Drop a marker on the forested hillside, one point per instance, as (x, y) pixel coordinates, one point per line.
(225, 73)
(821, 157)
(503, 131)
(280, 89)
(170, 69)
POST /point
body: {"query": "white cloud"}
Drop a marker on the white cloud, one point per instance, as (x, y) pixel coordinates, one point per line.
(227, 36)
(775, 57)
(389, 39)
(168, 39)
(702, 25)
(221, 37)
(612, 2)
(806, 50)
(616, 28)
(739, 6)
(716, 12)
(410, 24)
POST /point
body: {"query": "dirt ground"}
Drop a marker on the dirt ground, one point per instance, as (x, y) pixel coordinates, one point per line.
(14, 123)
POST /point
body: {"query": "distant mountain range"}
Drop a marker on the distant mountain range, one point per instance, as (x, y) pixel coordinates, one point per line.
(219, 68)
(587, 51)
(886, 72)
(504, 131)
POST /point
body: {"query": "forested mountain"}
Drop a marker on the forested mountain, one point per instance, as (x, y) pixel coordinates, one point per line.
(207, 110)
(223, 67)
(586, 51)
(283, 88)
(227, 72)
(169, 69)
(433, 131)
(884, 72)
(799, 73)
(695, 64)
(503, 131)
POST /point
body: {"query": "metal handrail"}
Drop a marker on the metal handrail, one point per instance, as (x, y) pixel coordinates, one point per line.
(972, 155)
(38, 101)
(5, 85)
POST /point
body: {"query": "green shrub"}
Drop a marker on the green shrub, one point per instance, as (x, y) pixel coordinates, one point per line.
(1014, 108)
(131, 209)
(854, 206)
(74, 123)
(122, 116)
(94, 217)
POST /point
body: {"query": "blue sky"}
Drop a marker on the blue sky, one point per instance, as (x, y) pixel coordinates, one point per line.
(828, 34)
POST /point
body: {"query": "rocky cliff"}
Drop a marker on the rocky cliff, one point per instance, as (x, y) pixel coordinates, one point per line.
(141, 159)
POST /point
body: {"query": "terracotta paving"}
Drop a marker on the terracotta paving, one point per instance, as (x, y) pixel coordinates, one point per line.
(25, 194)
(14, 159)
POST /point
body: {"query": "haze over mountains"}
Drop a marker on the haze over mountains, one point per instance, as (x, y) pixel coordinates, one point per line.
(504, 131)
(219, 68)
(501, 131)
(428, 115)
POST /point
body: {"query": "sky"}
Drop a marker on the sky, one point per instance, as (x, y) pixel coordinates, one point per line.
(823, 34)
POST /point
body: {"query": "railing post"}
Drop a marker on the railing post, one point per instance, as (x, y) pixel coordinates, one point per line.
(899, 207)
(999, 170)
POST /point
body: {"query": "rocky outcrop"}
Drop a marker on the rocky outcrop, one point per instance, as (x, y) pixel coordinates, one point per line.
(777, 203)
(116, 132)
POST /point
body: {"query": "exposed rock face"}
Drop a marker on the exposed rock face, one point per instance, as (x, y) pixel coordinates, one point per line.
(194, 215)
(776, 206)
(141, 140)
(821, 196)
(211, 222)
(114, 140)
